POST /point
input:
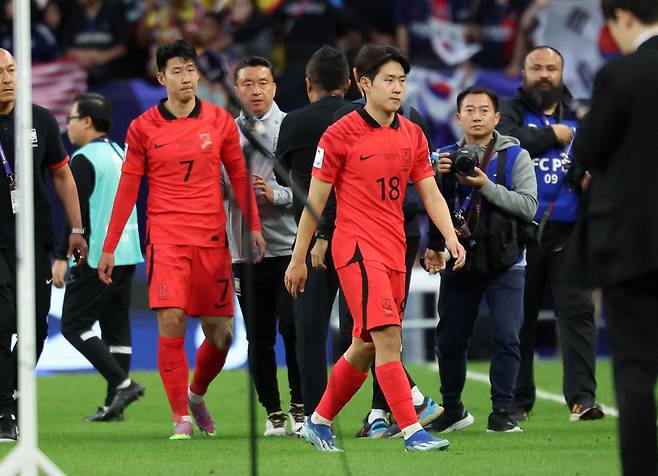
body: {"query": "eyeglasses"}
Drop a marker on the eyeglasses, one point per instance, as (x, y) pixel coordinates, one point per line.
(70, 118)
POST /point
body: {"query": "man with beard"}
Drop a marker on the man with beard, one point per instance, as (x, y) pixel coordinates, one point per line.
(541, 118)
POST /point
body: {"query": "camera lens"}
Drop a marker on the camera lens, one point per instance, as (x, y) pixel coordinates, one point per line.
(464, 164)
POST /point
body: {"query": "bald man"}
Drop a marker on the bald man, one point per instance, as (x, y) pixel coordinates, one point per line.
(49, 155)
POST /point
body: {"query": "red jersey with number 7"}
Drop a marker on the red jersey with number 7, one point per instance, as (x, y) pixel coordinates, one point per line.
(181, 158)
(370, 166)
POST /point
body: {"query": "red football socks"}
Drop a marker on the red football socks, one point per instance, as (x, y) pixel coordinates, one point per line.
(172, 363)
(209, 362)
(395, 385)
(344, 382)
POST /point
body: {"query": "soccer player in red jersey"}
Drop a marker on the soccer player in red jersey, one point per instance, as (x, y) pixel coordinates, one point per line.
(369, 156)
(180, 145)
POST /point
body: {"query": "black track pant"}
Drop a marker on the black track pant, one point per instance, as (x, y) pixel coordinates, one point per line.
(88, 300)
(575, 317)
(9, 357)
(271, 304)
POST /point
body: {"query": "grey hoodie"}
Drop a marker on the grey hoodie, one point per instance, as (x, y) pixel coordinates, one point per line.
(521, 201)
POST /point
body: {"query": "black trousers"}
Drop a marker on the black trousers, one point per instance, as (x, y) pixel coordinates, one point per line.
(88, 300)
(378, 398)
(575, 316)
(271, 303)
(312, 314)
(9, 357)
(631, 313)
(459, 303)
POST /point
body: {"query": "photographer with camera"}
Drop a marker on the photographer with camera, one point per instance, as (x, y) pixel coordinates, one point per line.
(490, 187)
(542, 118)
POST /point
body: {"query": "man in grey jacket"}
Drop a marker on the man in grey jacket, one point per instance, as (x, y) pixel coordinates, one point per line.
(501, 189)
(271, 303)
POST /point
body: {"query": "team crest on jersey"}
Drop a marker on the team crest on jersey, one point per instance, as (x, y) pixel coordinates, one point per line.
(387, 307)
(163, 292)
(406, 157)
(205, 139)
(237, 287)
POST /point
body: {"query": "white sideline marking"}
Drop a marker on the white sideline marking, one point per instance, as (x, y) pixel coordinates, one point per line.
(541, 394)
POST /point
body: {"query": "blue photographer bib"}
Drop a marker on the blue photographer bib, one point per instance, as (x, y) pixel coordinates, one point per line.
(550, 169)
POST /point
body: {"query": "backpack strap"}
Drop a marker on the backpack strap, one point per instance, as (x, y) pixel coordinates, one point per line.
(500, 167)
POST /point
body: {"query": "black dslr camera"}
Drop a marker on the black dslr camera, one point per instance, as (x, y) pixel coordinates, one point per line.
(463, 162)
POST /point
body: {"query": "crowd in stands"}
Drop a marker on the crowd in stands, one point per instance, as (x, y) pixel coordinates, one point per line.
(117, 38)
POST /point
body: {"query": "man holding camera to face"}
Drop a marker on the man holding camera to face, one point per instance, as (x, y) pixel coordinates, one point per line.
(490, 187)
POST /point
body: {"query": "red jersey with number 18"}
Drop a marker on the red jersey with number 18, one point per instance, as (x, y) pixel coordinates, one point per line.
(370, 166)
(181, 160)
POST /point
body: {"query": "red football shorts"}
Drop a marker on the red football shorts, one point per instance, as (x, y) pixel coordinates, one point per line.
(196, 279)
(374, 295)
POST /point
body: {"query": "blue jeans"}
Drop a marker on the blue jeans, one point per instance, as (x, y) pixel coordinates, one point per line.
(459, 302)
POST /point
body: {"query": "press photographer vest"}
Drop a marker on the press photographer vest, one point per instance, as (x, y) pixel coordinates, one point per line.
(550, 171)
(106, 161)
(496, 234)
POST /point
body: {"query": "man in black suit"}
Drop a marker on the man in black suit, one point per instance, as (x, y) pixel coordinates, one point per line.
(615, 238)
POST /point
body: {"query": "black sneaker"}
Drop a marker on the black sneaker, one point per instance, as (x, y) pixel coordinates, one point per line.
(519, 414)
(124, 397)
(101, 415)
(451, 420)
(502, 422)
(591, 411)
(8, 427)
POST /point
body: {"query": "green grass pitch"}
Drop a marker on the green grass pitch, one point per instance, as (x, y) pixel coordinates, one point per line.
(550, 445)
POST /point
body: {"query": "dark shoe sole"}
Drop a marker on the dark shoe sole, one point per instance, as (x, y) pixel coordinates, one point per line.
(468, 420)
(113, 412)
(594, 413)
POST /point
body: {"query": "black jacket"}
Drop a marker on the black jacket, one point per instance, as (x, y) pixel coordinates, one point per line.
(49, 154)
(536, 140)
(616, 235)
(299, 135)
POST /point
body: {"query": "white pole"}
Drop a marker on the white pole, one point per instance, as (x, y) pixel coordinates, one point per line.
(26, 457)
(27, 411)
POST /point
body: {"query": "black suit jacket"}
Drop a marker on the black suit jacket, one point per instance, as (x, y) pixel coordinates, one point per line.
(616, 235)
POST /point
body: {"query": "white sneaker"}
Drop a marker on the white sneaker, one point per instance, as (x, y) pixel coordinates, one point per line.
(275, 424)
(297, 417)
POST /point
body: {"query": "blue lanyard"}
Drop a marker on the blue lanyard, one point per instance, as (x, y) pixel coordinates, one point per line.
(460, 207)
(5, 162)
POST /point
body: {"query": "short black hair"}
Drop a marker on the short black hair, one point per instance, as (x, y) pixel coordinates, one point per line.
(644, 10)
(97, 108)
(372, 56)
(477, 90)
(328, 68)
(177, 49)
(252, 61)
(543, 47)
